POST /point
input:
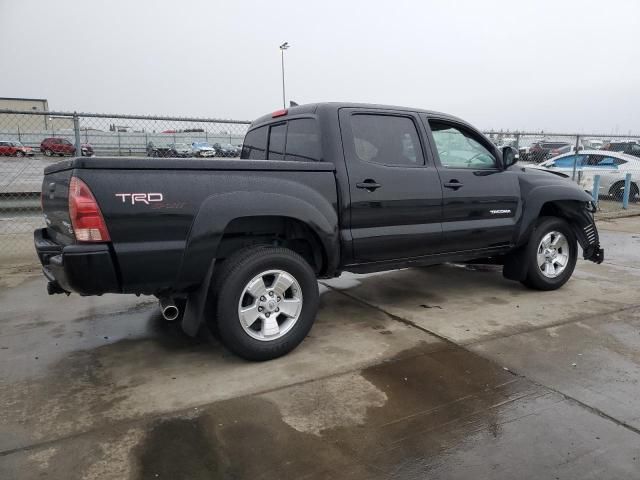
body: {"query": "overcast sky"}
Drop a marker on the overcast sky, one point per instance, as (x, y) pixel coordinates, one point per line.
(571, 65)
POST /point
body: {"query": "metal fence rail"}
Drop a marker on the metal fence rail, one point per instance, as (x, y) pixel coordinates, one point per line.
(30, 140)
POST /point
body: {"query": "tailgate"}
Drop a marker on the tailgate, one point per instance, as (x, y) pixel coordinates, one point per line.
(55, 205)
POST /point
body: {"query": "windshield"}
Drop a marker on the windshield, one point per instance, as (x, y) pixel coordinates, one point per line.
(201, 145)
(180, 145)
(227, 145)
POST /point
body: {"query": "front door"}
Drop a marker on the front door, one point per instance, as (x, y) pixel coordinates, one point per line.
(395, 190)
(481, 201)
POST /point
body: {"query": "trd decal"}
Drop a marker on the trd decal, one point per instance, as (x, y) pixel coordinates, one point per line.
(134, 198)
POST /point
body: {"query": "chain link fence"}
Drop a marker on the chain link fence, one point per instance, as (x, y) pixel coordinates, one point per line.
(29, 141)
(604, 163)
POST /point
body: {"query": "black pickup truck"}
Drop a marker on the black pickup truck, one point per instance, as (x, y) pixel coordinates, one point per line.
(319, 189)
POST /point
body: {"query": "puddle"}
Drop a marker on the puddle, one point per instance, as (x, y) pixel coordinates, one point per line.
(351, 423)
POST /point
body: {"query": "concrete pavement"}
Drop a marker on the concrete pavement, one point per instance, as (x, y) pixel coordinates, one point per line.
(440, 372)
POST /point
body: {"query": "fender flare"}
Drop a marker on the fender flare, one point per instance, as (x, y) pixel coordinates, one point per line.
(218, 210)
(537, 197)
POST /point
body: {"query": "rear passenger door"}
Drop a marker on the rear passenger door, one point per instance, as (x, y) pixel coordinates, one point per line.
(395, 191)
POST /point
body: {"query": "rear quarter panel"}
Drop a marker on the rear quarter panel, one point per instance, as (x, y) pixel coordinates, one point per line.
(170, 243)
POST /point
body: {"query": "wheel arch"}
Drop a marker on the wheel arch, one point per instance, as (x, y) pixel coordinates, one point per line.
(225, 221)
(563, 201)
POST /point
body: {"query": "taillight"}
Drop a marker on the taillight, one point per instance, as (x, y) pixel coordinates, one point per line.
(86, 217)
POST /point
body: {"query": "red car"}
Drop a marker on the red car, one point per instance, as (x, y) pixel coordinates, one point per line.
(14, 149)
(62, 147)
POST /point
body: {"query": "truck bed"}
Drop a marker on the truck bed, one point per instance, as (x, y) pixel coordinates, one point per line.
(167, 216)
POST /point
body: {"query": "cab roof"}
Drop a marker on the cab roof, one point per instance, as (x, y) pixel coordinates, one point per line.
(316, 108)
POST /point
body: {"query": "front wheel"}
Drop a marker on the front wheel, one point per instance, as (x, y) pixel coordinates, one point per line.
(551, 254)
(266, 302)
(19, 153)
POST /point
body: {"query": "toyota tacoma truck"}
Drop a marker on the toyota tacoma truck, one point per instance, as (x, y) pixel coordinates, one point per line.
(319, 189)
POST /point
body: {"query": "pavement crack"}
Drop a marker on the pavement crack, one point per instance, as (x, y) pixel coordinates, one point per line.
(391, 315)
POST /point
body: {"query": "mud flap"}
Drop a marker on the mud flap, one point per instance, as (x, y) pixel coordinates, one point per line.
(196, 308)
(515, 265)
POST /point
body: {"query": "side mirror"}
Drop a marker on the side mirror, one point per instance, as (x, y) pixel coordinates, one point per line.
(509, 156)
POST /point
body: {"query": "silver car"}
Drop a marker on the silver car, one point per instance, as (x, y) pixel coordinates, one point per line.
(203, 149)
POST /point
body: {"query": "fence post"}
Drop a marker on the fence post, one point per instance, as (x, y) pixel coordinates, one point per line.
(596, 189)
(19, 137)
(76, 130)
(119, 152)
(575, 158)
(627, 191)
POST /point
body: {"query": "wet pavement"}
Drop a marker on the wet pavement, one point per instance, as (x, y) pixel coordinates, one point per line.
(440, 372)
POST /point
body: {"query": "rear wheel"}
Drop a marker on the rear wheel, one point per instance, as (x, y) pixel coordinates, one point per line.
(617, 191)
(551, 254)
(266, 300)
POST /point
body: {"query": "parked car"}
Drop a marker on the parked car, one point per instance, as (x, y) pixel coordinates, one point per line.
(226, 150)
(202, 149)
(630, 148)
(62, 146)
(611, 166)
(540, 151)
(13, 148)
(319, 189)
(180, 150)
(593, 144)
(163, 150)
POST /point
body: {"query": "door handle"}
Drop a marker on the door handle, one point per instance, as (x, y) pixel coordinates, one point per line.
(369, 185)
(454, 184)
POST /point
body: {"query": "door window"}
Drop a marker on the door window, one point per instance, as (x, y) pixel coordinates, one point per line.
(459, 149)
(568, 161)
(386, 139)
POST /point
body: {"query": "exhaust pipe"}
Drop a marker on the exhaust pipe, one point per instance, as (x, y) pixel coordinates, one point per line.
(170, 311)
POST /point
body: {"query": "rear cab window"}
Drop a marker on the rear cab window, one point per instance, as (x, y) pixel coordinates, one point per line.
(297, 139)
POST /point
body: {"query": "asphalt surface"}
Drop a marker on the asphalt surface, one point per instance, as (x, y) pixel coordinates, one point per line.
(439, 372)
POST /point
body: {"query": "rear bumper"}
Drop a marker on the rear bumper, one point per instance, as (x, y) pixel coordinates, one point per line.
(87, 269)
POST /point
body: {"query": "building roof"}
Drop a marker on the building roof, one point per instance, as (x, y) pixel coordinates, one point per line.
(25, 99)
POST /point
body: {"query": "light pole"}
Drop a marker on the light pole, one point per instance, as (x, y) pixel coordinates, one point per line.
(283, 47)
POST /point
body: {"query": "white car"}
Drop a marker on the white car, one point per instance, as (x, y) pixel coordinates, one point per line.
(611, 166)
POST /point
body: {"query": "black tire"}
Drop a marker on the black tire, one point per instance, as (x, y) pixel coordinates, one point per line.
(535, 278)
(48, 153)
(230, 280)
(19, 153)
(617, 191)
